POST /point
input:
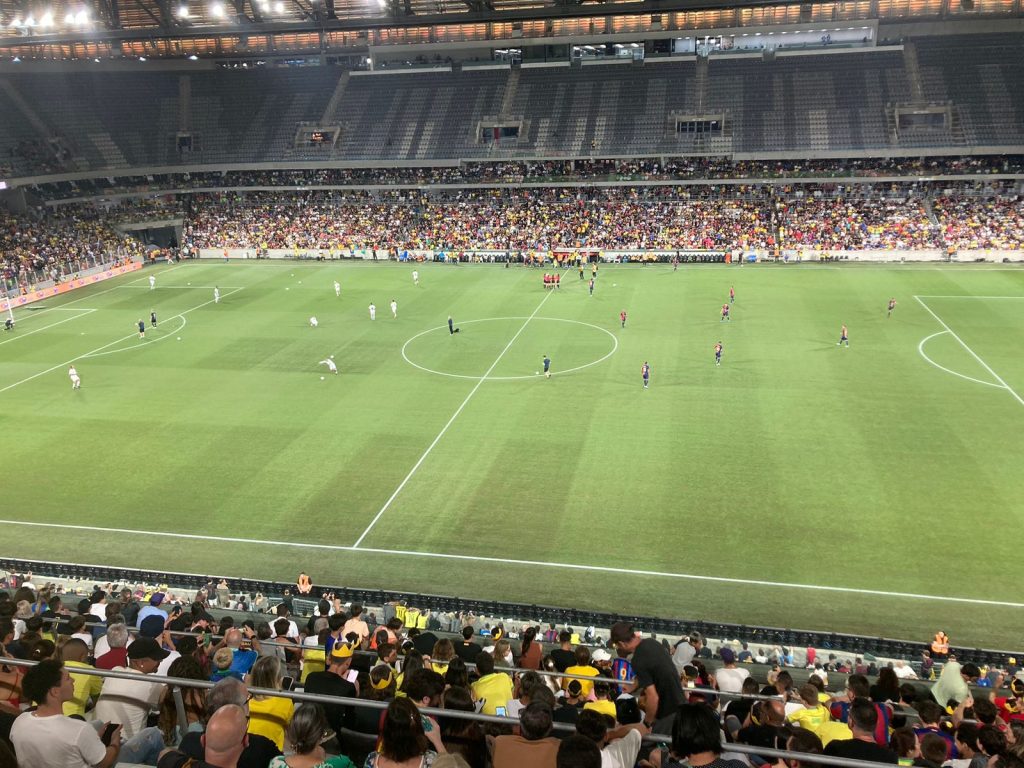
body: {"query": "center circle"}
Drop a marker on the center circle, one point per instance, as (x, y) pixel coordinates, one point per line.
(441, 331)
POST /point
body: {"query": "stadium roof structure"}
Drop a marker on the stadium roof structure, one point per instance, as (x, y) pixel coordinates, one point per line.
(73, 29)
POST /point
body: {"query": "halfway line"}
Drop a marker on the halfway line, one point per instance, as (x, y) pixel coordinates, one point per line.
(455, 415)
(531, 563)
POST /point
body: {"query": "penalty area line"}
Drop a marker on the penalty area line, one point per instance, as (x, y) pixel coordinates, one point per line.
(530, 563)
(973, 354)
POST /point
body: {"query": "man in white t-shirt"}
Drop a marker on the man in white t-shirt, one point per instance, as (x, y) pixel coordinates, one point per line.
(619, 747)
(46, 738)
(730, 677)
(129, 702)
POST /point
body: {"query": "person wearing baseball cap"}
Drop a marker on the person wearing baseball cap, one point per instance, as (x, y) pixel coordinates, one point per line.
(129, 702)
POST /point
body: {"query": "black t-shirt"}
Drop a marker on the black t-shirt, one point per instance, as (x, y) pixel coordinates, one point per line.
(467, 651)
(766, 736)
(329, 684)
(258, 754)
(566, 713)
(366, 720)
(855, 749)
(653, 666)
(739, 708)
(563, 659)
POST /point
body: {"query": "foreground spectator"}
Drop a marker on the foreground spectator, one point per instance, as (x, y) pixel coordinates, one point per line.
(223, 742)
(534, 746)
(129, 702)
(269, 715)
(74, 653)
(656, 676)
(578, 752)
(619, 747)
(696, 741)
(332, 682)
(863, 719)
(403, 741)
(259, 750)
(495, 688)
(45, 737)
(306, 734)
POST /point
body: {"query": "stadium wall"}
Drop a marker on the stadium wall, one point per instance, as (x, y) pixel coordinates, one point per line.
(88, 277)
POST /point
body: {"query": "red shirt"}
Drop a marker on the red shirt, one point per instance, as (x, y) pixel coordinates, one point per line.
(115, 657)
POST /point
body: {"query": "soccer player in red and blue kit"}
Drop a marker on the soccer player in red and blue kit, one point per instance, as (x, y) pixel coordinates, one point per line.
(725, 312)
(732, 294)
(622, 317)
(645, 371)
(892, 306)
(718, 353)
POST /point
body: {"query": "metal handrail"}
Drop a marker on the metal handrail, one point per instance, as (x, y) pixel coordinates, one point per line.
(654, 738)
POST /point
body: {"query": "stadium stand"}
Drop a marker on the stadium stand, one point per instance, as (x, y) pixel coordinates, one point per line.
(187, 656)
(795, 102)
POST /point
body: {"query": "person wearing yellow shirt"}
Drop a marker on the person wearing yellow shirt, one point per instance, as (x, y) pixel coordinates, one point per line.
(582, 667)
(494, 688)
(814, 714)
(269, 715)
(74, 653)
(602, 701)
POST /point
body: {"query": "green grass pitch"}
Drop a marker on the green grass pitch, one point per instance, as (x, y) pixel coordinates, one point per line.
(888, 467)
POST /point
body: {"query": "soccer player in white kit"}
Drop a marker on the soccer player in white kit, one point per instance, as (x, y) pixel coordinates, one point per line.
(152, 282)
(337, 288)
(312, 322)
(216, 295)
(394, 309)
(330, 365)
(76, 383)
(373, 311)
(415, 277)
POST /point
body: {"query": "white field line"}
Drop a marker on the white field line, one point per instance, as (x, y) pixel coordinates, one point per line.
(181, 287)
(51, 325)
(963, 344)
(531, 563)
(963, 296)
(100, 293)
(95, 352)
(920, 350)
(455, 415)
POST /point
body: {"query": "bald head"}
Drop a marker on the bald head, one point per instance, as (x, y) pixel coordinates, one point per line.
(233, 638)
(225, 737)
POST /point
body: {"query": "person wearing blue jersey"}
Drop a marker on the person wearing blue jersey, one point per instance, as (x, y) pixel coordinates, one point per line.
(152, 317)
(645, 372)
(142, 329)
(547, 366)
(718, 353)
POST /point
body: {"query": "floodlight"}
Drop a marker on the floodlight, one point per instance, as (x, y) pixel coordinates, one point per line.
(15, 22)
(279, 7)
(193, 57)
(142, 58)
(69, 18)
(30, 21)
(82, 18)
(47, 19)
(217, 10)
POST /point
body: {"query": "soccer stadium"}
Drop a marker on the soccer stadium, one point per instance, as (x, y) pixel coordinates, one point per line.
(503, 383)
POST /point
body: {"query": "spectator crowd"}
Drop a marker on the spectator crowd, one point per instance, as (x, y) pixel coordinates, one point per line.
(556, 700)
